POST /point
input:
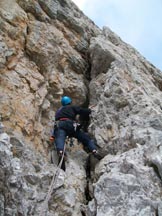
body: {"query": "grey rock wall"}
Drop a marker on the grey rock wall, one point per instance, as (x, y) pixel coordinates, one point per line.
(50, 48)
(26, 178)
(126, 123)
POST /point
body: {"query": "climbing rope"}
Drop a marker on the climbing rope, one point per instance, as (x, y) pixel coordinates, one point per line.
(50, 190)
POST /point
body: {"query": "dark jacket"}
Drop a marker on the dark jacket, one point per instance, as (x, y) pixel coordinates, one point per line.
(70, 111)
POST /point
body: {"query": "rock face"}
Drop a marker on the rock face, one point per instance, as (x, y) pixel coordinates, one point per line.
(49, 49)
(44, 54)
(126, 90)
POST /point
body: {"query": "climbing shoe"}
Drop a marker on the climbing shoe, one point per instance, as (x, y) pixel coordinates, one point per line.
(96, 155)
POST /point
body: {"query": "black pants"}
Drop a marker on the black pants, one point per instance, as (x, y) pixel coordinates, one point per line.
(66, 128)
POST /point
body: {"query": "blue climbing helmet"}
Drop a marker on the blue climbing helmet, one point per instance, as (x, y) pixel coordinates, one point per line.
(66, 100)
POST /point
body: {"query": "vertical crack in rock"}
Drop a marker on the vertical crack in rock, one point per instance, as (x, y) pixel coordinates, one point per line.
(88, 177)
(50, 48)
(156, 169)
(156, 212)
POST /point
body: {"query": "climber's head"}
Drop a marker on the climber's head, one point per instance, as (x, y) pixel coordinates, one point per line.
(66, 100)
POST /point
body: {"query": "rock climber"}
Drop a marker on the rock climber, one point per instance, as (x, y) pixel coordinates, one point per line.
(66, 125)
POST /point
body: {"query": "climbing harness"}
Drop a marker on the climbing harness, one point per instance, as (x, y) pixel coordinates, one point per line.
(50, 190)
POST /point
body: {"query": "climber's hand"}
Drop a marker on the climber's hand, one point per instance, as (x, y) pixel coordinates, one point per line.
(52, 138)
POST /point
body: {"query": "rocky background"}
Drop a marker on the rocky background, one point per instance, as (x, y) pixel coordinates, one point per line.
(49, 49)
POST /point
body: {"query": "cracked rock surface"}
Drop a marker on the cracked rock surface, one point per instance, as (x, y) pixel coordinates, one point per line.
(49, 49)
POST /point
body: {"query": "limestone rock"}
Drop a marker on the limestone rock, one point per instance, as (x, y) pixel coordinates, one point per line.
(126, 185)
(49, 49)
(126, 96)
(42, 57)
(26, 177)
(127, 115)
